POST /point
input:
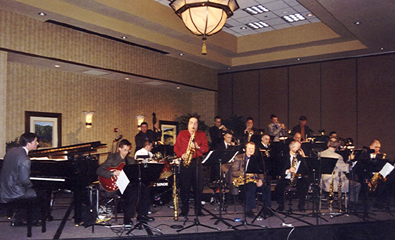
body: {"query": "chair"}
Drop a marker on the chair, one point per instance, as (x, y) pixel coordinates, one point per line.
(289, 194)
(28, 204)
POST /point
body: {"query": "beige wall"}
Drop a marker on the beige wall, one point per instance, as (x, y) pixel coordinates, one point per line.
(115, 103)
(3, 99)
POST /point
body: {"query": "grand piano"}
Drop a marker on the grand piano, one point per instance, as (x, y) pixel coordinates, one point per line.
(70, 167)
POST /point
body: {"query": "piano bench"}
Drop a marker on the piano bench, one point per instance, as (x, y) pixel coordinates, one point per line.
(27, 204)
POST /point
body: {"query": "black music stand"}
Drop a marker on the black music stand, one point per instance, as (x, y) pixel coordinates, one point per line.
(143, 173)
(213, 158)
(196, 220)
(265, 208)
(252, 168)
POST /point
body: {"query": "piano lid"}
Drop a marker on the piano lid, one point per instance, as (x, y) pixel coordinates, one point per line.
(90, 147)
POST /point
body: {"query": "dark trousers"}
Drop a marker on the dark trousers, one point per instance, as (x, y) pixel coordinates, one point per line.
(42, 198)
(187, 179)
(135, 199)
(250, 190)
(302, 186)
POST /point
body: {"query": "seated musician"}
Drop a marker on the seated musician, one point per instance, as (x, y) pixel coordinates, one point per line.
(130, 195)
(294, 170)
(145, 151)
(341, 166)
(238, 170)
(15, 178)
(146, 134)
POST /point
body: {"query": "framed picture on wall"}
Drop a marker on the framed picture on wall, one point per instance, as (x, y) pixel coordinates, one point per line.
(169, 132)
(47, 126)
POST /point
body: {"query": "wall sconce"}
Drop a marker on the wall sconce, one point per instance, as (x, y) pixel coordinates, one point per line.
(140, 120)
(88, 119)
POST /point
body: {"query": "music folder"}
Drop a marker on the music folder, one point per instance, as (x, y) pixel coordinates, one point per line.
(225, 156)
(150, 172)
(327, 165)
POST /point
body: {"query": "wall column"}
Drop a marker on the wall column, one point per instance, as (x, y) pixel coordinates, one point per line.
(3, 101)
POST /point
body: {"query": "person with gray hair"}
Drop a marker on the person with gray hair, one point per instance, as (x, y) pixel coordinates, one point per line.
(341, 166)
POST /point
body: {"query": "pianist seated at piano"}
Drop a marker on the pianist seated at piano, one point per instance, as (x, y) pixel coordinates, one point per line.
(130, 195)
(15, 181)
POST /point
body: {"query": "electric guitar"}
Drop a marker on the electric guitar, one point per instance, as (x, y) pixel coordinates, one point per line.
(110, 184)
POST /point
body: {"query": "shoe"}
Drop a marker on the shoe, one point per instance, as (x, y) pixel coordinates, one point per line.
(250, 214)
(145, 218)
(280, 208)
(183, 214)
(200, 214)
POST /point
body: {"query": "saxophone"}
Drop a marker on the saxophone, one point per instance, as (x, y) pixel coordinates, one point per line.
(250, 133)
(190, 150)
(240, 180)
(374, 181)
(175, 199)
(331, 195)
(292, 183)
(339, 192)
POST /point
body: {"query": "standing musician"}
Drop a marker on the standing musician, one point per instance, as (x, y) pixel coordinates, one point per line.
(299, 171)
(226, 144)
(188, 175)
(239, 167)
(301, 128)
(276, 129)
(131, 193)
(146, 134)
(217, 132)
(250, 131)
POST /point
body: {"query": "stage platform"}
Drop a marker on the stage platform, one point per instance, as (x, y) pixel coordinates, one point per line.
(370, 224)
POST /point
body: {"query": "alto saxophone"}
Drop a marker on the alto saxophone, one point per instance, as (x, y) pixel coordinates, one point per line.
(294, 176)
(374, 181)
(331, 195)
(240, 180)
(175, 199)
(250, 133)
(339, 192)
(190, 150)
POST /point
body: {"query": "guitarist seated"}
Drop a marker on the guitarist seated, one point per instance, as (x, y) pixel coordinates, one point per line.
(112, 167)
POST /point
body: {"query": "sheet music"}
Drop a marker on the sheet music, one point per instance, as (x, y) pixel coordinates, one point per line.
(387, 169)
(209, 154)
(122, 181)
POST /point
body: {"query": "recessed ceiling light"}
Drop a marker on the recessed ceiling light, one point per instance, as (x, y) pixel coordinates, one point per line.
(228, 68)
(123, 37)
(181, 54)
(258, 25)
(253, 10)
(357, 23)
(294, 17)
(382, 49)
(309, 15)
(243, 28)
(57, 66)
(127, 78)
(178, 88)
(285, 12)
(42, 14)
(298, 59)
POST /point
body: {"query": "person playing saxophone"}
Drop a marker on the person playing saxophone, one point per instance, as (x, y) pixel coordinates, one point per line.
(241, 163)
(295, 172)
(188, 176)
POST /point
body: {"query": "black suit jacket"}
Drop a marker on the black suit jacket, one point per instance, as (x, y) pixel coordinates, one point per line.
(140, 138)
(303, 169)
(307, 131)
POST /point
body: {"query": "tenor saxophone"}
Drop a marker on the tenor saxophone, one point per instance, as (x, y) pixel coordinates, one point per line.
(339, 192)
(190, 150)
(175, 199)
(240, 180)
(331, 195)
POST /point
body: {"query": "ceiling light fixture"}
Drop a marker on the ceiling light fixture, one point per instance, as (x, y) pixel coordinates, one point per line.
(204, 17)
(42, 14)
(124, 37)
(258, 25)
(243, 28)
(357, 23)
(181, 54)
(294, 17)
(254, 10)
(57, 66)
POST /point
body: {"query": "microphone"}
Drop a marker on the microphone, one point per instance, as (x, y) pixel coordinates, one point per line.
(117, 138)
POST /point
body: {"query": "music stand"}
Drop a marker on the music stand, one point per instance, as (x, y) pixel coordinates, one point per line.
(327, 165)
(150, 172)
(265, 207)
(196, 220)
(252, 168)
(213, 158)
